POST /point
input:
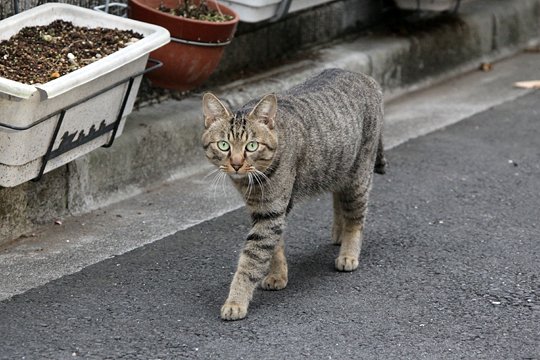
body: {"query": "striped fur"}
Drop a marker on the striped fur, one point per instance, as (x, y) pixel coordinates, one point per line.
(321, 136)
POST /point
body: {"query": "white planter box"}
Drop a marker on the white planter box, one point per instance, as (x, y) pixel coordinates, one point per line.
(259, 10)
(30, 113)
(428, 5)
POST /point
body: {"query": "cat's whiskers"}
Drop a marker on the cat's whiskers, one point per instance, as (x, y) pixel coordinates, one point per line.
(223, 169)
(247, 193)
(263, 175)
(258, 176)
(219, 177)
(213, 172)
(215, 181)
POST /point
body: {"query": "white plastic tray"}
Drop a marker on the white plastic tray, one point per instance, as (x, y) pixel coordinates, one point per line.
(259, 10)
(429, 5)
(29, 113)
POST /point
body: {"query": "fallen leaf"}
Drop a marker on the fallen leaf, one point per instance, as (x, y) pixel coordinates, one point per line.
(486, 66)
(533, 49)
(533, 84)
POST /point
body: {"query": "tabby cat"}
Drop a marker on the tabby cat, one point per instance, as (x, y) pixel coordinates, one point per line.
(322, 135)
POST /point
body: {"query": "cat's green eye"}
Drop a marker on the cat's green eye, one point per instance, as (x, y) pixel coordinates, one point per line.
(223, 145)
(252, 146)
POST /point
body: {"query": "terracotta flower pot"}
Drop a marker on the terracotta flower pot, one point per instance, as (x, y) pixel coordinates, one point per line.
(196, 46)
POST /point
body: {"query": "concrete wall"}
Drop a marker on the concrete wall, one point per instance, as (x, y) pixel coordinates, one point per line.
(258, 46)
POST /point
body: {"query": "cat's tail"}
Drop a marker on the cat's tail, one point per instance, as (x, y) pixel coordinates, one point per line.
(380, 161)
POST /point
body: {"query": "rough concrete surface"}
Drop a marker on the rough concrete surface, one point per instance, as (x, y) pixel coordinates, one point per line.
(177, 205)
(449, 270)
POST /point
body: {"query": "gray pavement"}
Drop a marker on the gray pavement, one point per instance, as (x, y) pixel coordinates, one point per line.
(449, 269)
(57, 250)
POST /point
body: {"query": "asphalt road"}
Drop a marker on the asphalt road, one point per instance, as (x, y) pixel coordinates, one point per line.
(449, 269)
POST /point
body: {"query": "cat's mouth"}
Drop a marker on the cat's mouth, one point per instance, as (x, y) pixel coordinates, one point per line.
(233, 173)
(227, 169)
(237, 176)
(242, 173)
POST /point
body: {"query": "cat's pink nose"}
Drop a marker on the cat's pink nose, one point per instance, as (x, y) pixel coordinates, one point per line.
(236, 167)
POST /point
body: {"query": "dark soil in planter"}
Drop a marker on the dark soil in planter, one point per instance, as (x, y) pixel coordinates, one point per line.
(38, 54)
(200, 11)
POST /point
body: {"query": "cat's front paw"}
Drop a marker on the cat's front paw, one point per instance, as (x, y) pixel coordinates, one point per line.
(233, 311)
(346, 263)
(274, 282)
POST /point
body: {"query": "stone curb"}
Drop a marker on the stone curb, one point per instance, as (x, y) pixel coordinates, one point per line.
(161, 143)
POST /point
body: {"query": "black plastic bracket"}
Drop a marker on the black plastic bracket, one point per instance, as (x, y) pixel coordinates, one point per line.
(71, 141)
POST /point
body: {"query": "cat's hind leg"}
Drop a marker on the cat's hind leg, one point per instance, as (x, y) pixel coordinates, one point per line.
(353, 207)
(338, 220)
(277, 277)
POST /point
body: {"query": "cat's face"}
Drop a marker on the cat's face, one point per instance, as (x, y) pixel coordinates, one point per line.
(241, 145)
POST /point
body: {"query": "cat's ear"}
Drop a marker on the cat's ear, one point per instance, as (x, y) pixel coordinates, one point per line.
(265, 110)
(213, 109)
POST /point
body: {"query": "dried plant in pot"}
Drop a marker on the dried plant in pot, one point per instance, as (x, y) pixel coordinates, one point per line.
(196, 45)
